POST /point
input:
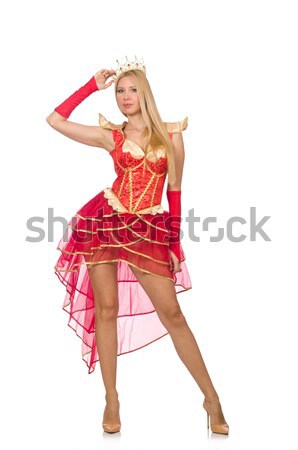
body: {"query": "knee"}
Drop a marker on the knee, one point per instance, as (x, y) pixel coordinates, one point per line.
(174, 318)
(106, 313)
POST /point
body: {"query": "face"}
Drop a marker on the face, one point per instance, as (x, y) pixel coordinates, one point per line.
(127, 96)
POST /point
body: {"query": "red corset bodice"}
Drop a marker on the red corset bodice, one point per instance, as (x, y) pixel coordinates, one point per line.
(140, 178)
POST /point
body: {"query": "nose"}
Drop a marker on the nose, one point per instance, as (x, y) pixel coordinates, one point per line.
(126, 95)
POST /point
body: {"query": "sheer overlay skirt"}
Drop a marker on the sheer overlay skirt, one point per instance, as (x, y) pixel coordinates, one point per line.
(98, 234)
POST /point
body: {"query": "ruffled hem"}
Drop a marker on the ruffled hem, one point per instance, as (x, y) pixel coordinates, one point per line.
(98, 235)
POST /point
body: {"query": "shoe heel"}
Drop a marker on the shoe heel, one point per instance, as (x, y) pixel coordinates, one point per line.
(216, 428)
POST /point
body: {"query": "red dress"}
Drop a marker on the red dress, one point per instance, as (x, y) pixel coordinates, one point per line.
(126, 223)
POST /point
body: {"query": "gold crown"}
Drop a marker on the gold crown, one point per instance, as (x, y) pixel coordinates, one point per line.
(129, 65)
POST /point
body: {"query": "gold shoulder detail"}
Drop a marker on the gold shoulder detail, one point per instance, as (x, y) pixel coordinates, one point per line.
(177, 127)
(104, 123)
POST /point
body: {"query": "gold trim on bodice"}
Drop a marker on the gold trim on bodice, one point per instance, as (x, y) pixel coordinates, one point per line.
(129, 146)
(114, 201)
(136, 151)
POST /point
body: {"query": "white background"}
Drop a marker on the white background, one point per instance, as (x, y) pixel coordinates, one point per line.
(231, 67)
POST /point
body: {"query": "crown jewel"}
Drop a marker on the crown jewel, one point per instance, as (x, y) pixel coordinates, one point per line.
(129, 65)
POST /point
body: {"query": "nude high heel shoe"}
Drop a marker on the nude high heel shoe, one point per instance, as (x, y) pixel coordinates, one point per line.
(111, 427)
(220, 428)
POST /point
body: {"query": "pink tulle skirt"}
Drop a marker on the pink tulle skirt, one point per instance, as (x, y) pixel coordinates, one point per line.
(98, 234)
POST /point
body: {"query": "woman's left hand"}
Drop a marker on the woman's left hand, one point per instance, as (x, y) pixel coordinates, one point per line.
(174, 263)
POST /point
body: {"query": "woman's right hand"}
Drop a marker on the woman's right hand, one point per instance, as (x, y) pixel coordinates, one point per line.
(101, 78)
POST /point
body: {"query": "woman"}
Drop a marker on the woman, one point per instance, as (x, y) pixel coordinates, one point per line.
(124, 249)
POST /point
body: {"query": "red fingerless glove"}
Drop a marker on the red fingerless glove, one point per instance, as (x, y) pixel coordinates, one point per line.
(174, 199)
(66, 108)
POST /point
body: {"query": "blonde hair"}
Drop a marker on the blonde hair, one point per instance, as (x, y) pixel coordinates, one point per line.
(156, 132)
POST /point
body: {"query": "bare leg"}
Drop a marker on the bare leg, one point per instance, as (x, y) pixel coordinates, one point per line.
(103, 279)
(171, 316)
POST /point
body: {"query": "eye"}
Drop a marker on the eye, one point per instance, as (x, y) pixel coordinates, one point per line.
(121, 90)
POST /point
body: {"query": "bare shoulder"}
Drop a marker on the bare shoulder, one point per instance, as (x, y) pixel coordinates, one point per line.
(107, 129)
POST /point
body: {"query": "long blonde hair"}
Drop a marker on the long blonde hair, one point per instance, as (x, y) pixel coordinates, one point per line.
(156, 133)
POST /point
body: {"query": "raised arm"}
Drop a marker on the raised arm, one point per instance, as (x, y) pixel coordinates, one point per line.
(94, 136)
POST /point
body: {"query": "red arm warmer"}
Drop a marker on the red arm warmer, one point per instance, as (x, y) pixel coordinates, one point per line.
(174, 199)
(66, 108)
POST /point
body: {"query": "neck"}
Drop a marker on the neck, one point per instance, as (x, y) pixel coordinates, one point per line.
(135, 122)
